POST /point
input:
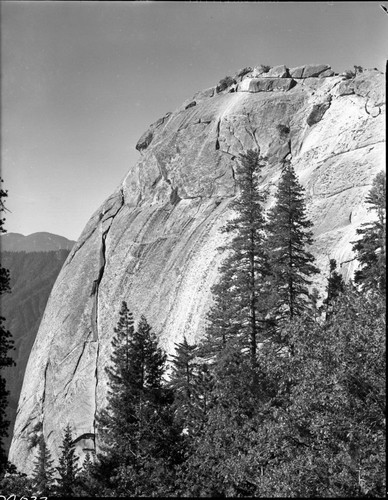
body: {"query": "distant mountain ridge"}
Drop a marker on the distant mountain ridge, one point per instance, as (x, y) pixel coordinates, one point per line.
(34, 262)
(35, 242)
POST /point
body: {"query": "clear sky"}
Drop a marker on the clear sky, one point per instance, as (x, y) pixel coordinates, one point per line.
(81, 82)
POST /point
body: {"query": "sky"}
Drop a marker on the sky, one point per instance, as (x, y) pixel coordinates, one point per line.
(81, 82)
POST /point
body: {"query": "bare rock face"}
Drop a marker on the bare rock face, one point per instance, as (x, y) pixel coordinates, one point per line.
(277, 72)
(155, 242)
(314, 70)
(297, 72)
(326, 73)
(311, 70)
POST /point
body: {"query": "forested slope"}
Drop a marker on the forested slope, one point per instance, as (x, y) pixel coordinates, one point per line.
(32, 277)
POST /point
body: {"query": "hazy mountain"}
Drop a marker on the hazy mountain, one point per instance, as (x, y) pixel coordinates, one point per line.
(155, 241)
(32, 277)
(35, 242)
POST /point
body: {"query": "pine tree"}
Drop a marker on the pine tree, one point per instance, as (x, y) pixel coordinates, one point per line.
(289, 234)
(115, 423)
(335, 286)
(6, 345)
(136, 431)
(370, 249)
(68, 466)
(86, 466)
(43, 474)
(191, 382)
(326, 435)
(154, 364)
(87, 484)
(183, 377)
(238, 315)
(216, 464)
(16, 483)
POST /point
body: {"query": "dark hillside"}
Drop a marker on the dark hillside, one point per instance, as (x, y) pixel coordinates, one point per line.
(33, 275)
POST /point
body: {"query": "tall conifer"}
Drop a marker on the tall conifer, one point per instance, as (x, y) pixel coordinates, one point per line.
(191, 383)
(68, 466)
(43, 474)
(371, 247)
(182, 379)
(238, 315)
(335, 286)
(136, 434)
(289, 236)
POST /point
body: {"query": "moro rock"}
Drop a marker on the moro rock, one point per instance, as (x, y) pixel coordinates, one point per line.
(155, 241)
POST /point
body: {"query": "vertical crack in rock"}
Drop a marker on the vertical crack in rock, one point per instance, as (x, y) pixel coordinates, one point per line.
(95, 394)
(233, 172)
(95, 292)
(218, 135)
(44, 383)
(44, 391)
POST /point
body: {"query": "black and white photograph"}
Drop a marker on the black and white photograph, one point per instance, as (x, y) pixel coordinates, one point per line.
(193, 249)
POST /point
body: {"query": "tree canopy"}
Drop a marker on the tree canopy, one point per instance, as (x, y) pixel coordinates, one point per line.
(6, 345)
(370, 248)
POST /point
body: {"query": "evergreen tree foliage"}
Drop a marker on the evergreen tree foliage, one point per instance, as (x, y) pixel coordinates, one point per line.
(306, 422)
(43, 474)
(136, 430)
(6, 345)
(86, 466)
(327, 422)
(316, 310)
(219, 463)
(183, 371)
(16, 483)
(335, 286)
(289, 236)
(4, 273)
(87, 485)
(370, 249)
(238, 315)
(68, 469)
(182, 380)
(191, 383)
(114, 422)
(313, 425)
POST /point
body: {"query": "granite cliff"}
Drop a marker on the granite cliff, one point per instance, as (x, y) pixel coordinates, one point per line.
(154, 242)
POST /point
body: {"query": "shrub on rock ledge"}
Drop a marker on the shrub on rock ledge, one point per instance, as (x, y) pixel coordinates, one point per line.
(225, 83)
(283, 129)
